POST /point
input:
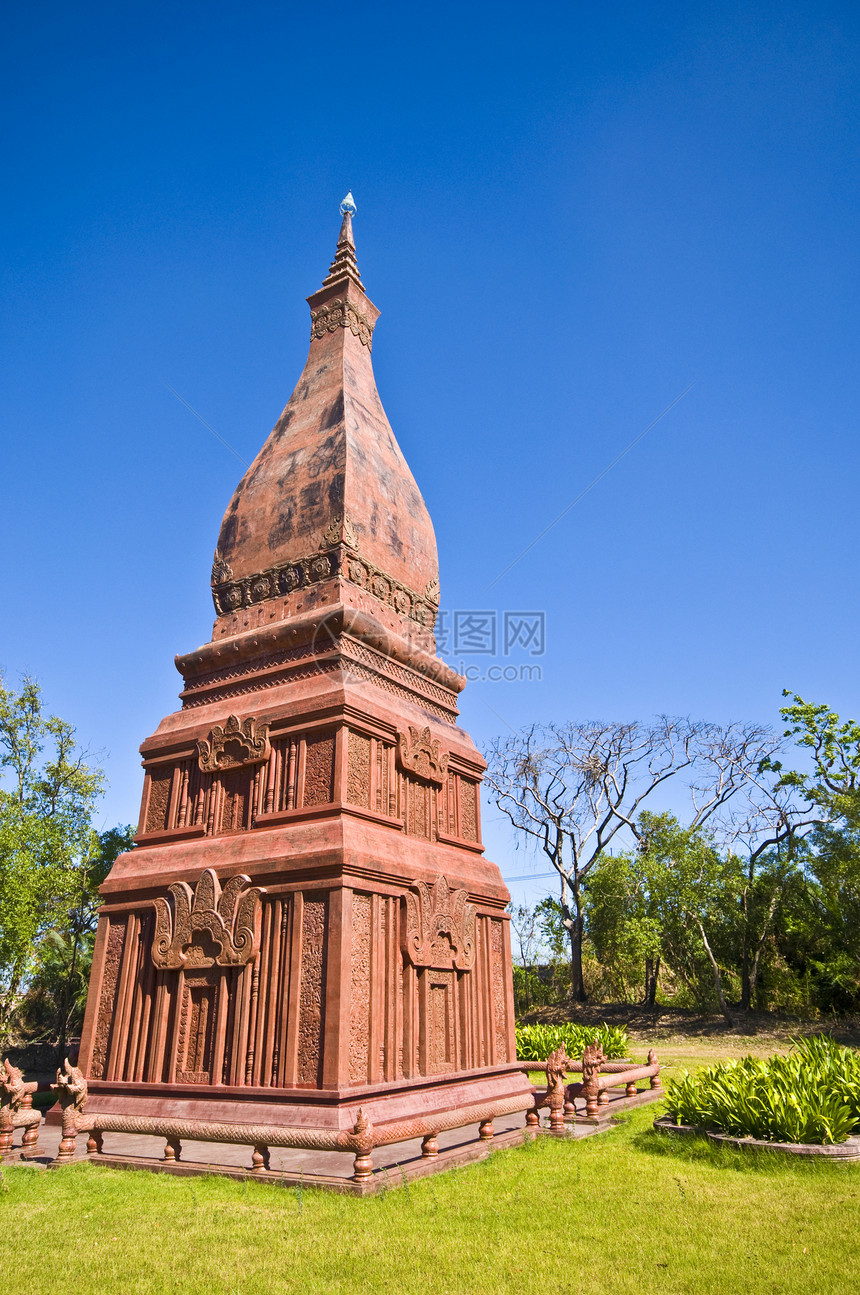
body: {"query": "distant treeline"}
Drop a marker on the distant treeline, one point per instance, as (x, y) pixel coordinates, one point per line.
(752, 903)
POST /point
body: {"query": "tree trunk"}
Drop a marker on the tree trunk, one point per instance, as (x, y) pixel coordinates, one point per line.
(718, 980)
(746, 992)
(652, 977)
(574, 921)
(577, 980)
(754, 968)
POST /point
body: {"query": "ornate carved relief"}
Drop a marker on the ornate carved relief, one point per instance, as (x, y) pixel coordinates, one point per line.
(233, 745)
(341, 313)
(422, 755)
(440, 1022)
(71, 1090)
(358, 770)
(160, 782)
(359, 1012)
(197, 1029)
(221, 569)
(319, 770)
(385, 797)
(468, 810)
(230, 919)
(13, 1090)
(235, 801)
(440, 926)
(311, 992)
(419, 809)
(499, 999)
(104, 1021)
(363, 662)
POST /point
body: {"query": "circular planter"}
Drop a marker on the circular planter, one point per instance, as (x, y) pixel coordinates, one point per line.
(842, 1151)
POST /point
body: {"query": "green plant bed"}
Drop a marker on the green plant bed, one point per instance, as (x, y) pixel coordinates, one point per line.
(844, 1152)
(811, 1096)
(536, 1042)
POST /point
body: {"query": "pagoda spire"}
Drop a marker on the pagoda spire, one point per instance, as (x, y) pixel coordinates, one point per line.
(344, 265)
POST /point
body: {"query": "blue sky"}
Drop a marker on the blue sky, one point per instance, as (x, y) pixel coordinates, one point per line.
(566, 213)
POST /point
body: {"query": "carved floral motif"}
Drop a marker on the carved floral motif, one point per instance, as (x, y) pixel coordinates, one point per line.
(104, 1021)
(341, 313)
(440, 926)
(341, 531)
(359, 1015)
(421, 754)
(233, 745)
(221, 569)
(230, 918)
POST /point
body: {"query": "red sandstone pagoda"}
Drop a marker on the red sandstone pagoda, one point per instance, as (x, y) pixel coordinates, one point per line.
(307, 924)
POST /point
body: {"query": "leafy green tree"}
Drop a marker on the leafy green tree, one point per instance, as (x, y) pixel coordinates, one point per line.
(832, 782)
(694, 893)
(47, 797)
(53, 1007)
(822, 936)
(623, 924)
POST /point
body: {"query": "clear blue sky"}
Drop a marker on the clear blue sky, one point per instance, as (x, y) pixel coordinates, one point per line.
(566, 213)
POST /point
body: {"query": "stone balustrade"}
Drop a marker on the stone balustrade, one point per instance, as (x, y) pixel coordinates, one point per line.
(71, 1090)
(598, 1077)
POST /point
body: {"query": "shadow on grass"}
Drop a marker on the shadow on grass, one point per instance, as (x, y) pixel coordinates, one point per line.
(699, 1150)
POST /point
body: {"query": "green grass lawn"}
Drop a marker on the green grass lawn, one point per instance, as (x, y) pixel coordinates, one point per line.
(624, 1211)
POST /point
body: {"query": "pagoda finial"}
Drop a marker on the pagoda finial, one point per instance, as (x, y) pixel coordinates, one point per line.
(344, 265)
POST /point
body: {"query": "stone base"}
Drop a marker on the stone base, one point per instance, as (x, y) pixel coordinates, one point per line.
(22, 1156)
(389, 1107)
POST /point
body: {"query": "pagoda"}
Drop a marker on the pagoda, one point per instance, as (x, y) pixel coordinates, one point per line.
(307, 924)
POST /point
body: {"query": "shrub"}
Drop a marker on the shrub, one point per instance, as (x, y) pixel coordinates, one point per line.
(536, 1042)
(812, 1095)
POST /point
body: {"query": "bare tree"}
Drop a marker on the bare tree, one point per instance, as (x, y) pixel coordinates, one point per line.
(572, 788)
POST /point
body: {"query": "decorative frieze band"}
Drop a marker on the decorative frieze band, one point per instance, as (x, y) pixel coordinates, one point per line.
(362, 661)
(341, 313)
(340, 560)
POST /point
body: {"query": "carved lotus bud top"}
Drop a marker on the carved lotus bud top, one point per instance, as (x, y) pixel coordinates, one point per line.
(234, 744)
(331, 473)
(227, 920)
(421, 754)
(440, 926)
